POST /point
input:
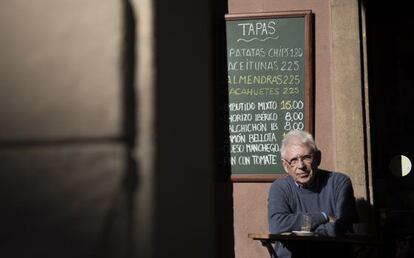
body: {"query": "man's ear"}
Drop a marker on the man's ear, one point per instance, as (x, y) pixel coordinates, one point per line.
(317, 157)
(285, 166)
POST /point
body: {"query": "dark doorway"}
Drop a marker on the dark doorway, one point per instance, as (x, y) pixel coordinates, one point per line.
(390, 38)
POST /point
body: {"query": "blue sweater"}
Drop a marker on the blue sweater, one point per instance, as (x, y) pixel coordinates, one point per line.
(330, 192)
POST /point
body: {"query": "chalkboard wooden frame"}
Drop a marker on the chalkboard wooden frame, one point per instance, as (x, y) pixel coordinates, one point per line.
(307, 16)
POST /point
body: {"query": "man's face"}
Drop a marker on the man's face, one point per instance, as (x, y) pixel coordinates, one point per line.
(298, 163)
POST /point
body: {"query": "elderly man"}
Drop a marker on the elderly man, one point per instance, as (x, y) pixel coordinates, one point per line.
(326, 197)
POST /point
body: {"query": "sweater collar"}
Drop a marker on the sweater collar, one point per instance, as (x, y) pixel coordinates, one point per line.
(314, 184)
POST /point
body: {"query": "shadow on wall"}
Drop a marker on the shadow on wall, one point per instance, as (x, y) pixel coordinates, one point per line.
(366, 213)
(224, 186)
(119, 227)
(393, 230)
(74, 198)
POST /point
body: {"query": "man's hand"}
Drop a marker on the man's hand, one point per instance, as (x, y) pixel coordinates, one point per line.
(332, 219)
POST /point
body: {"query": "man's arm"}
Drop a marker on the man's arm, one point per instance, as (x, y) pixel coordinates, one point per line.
(345, 211)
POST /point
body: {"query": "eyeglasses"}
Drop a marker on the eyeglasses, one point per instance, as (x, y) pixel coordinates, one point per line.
(294, 162)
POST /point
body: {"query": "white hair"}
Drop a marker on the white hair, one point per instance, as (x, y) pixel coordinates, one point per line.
(294, 135)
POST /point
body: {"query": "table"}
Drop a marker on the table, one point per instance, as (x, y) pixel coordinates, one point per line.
(268, 239)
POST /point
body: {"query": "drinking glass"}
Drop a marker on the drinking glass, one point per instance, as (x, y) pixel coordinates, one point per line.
(306, 222)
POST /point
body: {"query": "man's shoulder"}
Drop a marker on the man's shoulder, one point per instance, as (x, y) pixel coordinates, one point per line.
(282, 189)
(283, 182)
(335, 177)
(333, 174)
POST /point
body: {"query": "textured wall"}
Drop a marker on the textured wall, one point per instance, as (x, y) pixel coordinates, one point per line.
(62, 201)
(60, 69)
(63, 164)
(250, 210)
(339, 127)
(106, 131)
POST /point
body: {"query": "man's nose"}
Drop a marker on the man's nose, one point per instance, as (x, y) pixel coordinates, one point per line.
(301, 163)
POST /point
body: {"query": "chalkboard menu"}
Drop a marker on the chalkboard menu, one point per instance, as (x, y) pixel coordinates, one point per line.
(269, 63)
